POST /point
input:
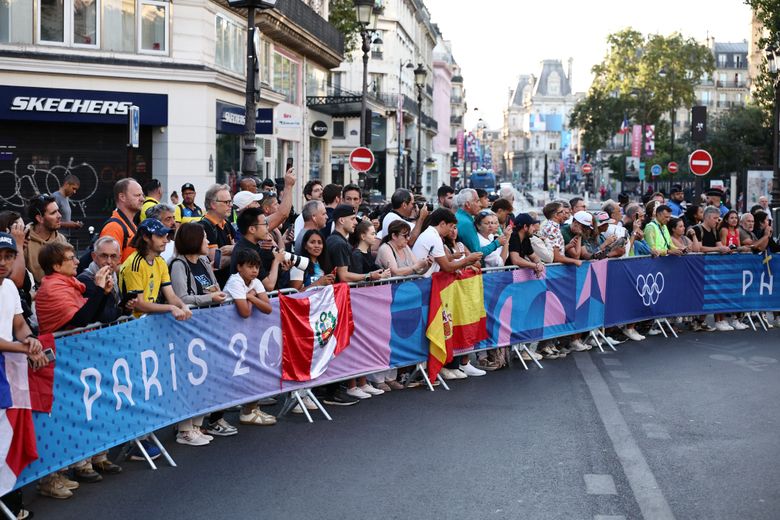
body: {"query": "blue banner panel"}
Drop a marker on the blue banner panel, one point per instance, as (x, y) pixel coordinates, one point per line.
(740, 282)
(80, 106)
(645, 288)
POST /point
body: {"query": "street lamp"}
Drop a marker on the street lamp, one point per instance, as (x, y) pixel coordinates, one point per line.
(400, 176)
(662, 73)
(772, 56)
(248, 147)
(364, 10)
(419, 82)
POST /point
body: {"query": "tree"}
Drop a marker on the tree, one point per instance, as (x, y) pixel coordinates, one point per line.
(768, 13)
(630, 75)
(738, 139)
(342, 17)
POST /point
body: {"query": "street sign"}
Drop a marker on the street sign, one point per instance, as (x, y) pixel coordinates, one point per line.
(454, 172)
(361, 159)
(133, 126)
(587, 168)
(655, 170)
(672, 167)
(700, 162)
(642, 171)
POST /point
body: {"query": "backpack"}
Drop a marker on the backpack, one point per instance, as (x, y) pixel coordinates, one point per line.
(86, 257)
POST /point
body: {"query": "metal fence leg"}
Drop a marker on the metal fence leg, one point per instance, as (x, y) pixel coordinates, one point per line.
(441, 380)
(596, 339)
(531, 355)
(671, 329)
(517, 352)
(317, 403)
(143, 452)
(604, 337)
(657, 323)
(7, 512)
(750, 320)
(162, 449)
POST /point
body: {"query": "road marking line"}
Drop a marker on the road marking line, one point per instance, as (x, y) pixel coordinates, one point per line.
(643, 407)
(656, 431)
(620, 374)
(609, 517)
(599, 484)
(628, 388)
(648, 494)
(611, 362)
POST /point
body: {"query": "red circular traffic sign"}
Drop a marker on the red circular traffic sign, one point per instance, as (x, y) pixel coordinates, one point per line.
(361, 159)
(587, 168)
(454, 172)
(700, 162)
(672, 167)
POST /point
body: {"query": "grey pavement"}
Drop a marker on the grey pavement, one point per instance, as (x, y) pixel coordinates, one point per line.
(682, 429)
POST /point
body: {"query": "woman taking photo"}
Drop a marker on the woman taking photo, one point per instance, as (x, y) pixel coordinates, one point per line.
(192, 279)
(313, 248)
(396, 255)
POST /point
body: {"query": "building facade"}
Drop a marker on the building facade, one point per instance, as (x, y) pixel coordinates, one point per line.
(71, 70)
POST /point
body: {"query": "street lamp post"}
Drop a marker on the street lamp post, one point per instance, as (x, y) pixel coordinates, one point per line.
(419, 82)
(772, 55)
(248, 146)
(662, 73)
(400, 177)
(364, 10)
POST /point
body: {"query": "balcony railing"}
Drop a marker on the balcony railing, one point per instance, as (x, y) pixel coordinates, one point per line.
(456, 100)
(732, 84)
(456, 120)
(429, 122)
(317, 26)
(376, 55)
(457, 79)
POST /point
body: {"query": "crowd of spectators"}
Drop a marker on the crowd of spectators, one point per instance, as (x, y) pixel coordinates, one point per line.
(154, 257)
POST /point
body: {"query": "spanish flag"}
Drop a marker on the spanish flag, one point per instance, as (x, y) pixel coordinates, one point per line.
(456, 317)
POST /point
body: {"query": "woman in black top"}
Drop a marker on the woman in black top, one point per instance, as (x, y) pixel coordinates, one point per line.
(363, 239)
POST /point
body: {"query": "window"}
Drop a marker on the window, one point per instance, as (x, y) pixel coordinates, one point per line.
(118, 25)
(231, 45)
(265, 61)
(69, 22)
(16, 21)
(153, 26)
(338, 129)
(722, 60)
(737, 61)
(316, 81)
(52, 21)
(286, 78)
(375, 85)
(85, 22)
(334, 81)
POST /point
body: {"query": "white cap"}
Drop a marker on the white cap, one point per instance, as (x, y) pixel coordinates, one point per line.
(243, 199)
(584, 218)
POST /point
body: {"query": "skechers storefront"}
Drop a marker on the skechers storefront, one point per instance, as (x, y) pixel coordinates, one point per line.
(230, 127)
(47, 134)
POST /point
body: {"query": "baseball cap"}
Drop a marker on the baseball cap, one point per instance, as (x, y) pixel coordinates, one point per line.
(584, 218)
(524, 219)
(268, 183)
(7, 242)
(714, 193)
(187, 187)
(676, 188)
(243, 199)
(152, 226)
(603, 218)
(343, 210)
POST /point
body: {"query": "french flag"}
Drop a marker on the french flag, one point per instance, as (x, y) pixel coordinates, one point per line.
(624, 126)
(315, 329)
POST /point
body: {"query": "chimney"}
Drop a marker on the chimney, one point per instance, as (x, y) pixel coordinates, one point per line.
(571, 61)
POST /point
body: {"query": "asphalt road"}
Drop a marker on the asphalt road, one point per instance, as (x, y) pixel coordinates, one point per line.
(685, 429)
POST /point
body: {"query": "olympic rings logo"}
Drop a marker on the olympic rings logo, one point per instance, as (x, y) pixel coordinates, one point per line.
(650, 287)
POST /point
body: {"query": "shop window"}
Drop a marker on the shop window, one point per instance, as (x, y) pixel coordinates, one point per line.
(231, 45)
(286, 78)
(316, 81)
(153, 26)
(338, 129)
(118, 25)
(228, 158)
(16, 21)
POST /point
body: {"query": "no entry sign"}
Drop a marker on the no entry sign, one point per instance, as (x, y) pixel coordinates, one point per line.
(361, 159)
(454, 172)
(672, 167)
(587, 168)
(700, 162)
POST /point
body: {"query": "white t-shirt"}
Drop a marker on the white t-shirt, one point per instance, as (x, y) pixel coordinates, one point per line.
(493, 259)
(389, 219)
(298, 226)
(10, 306)
(429, 240)
(237, 289)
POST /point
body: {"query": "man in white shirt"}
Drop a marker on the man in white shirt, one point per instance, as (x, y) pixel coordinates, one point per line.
(311, 191)
(402, 203)
(430, 243)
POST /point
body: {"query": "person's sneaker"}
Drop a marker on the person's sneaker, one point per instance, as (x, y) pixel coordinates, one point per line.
(367, 388)
(615, 341)
(549, 353)
(561, 351)
(53, 487)
(257, 417)
(358, 393)
(487, 365)
(395, 385)
(307, 402)
(738, 325)
(340, 398)
(106, 467)
(578, 346)
(457, 374)
(204, 434)
(471, 371)
(384, 387)
(151, 449)
(654, 330)
(68, 483)
(696, 326)
(191, 438)
(221, 428)
(87, 475)
(723, 326)
(633, 334)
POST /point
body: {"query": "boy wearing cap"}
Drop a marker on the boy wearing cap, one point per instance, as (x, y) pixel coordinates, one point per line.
(188, 211)
(146, 272)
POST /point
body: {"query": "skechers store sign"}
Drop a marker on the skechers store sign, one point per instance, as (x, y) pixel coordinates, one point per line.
(80, 106)
(231, 119)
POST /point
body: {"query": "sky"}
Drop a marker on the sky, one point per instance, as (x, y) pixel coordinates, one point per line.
(495, 41)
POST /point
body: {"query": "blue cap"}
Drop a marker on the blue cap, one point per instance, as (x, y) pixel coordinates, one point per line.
(152, 226)
(524, 219)
(7, 242)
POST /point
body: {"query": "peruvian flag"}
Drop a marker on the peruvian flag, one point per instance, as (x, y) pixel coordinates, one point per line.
(22, 391)
(315, 329)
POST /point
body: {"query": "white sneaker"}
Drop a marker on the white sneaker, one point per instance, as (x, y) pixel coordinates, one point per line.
(357, 393)
(203, 435)
(307, 402)
(723, 326)
(367, 388)
(578, 346)
(633, 334)
(738, 325)
(654, 331)
(471, 370)
(190, 438)
(447, 374)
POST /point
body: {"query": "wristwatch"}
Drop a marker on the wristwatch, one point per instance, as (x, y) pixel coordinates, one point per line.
(367, 277)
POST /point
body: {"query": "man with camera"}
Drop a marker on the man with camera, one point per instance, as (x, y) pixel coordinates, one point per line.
(253, 226)
(404, 208)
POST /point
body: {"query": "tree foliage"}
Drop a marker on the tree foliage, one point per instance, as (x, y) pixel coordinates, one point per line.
(738, 139)
(768, 13)
(342, 17)
(643, 77)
